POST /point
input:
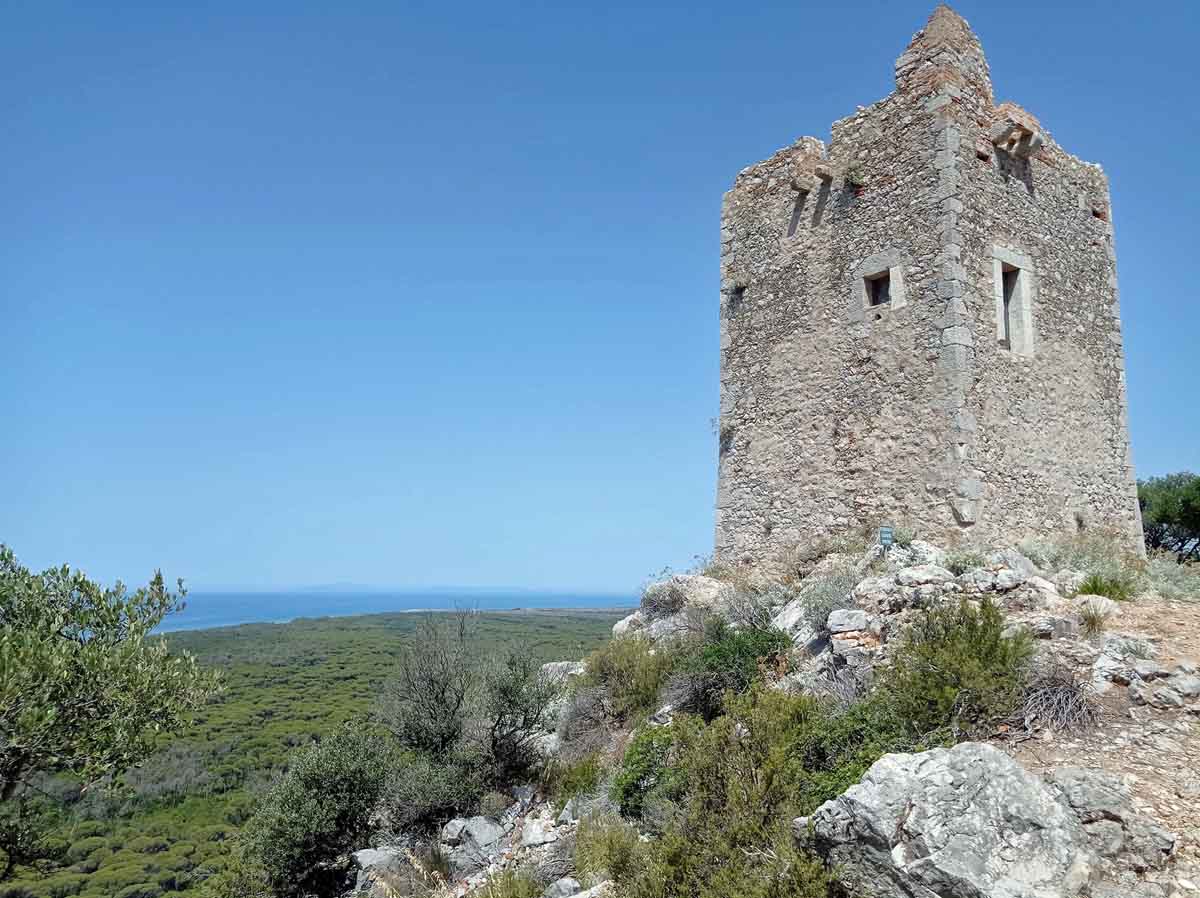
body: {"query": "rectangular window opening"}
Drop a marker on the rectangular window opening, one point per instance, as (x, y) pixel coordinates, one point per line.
(736, 297)
(797, 211)
(1010, 278)
(879, 289)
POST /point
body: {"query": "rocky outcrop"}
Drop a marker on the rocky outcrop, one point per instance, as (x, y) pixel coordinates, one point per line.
(969, 822)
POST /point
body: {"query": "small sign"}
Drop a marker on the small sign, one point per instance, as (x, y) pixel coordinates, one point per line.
(887, 536)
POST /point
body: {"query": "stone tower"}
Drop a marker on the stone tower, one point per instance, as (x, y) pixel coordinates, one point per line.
(920, 325)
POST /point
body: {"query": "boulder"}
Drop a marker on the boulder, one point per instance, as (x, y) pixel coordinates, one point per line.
(629, 625)
(1014, 561)
(680, 592)
(470, 843)
(790, 619)
(1104, 807)
(845, 620)
(923, 574)
(562, 888)
(537, 831)
(378, 869)
(559, 672)
(1098, 605)
(964, 822)
(1186, 685)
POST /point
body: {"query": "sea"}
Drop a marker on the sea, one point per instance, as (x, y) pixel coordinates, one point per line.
(205, 610)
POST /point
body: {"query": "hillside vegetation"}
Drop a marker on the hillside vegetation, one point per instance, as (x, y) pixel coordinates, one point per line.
(285, 685)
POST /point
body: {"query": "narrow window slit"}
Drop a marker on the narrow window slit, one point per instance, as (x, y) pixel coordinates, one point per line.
(879, 289)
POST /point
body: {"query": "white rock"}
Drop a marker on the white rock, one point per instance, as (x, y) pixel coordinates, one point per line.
(629, 625)
(923, 574)
(537, 831)
(562, 888)
(845, 620)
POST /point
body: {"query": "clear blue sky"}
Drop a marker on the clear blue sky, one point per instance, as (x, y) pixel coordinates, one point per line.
(414, 292)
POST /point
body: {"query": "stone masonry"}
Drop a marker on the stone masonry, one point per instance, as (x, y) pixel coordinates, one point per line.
(920, 325)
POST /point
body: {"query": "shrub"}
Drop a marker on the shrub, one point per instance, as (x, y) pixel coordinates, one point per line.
(1120, 586)
(737, 783)
(608, 848)
(955, 668)
(425, 702)
(903, 537)
(564, 780)
(631, 671)
(642, 768)
(420, 791)
(583, 726)
(1057, 700)
(663, 598)
(958, 563)
(1171, 514)
(317, 813)
(84, 847)
(724, 659)
(513, 714)
(1171, 580)
(510, 884)
(1093, 618)
(825, 593)
(141, 890)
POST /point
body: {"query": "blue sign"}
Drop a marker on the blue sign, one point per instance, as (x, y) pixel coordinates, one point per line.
(887, 536)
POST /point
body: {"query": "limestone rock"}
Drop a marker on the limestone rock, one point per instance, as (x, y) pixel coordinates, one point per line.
(1185, 684)
(1068, 581)
(377, 869)
(562, 888)
(627, 626)
(1014, 561)
(537, 831)
(682, 591)
(844, 620)
(1103, 805)
(923, 574)
(471, 842)
(791, 620)
(964, 822)
(561, 671)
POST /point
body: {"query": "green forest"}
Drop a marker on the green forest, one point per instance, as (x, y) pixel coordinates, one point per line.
(168, 824)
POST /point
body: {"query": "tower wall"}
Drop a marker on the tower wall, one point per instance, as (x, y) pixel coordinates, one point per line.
(837, 414)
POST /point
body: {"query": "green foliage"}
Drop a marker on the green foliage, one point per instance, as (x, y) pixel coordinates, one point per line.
(421, 790)
(287, 684)
(447, 698)
(956, 668)
(607, 847)
(317, 813)
(960, 562)
(725, 659)
(903, 537)
(514, 713)
(642, 768)
(736, 784)
(83, 688)
(510, 884)
(1171, 580)
(632, 671)
(1171, 514)
(824, 593)
(1119, 586)
(563, 780)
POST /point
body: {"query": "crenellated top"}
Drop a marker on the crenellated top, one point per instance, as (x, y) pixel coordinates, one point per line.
(945, 52)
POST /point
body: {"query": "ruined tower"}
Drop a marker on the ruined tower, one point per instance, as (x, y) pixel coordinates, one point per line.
(920, 325)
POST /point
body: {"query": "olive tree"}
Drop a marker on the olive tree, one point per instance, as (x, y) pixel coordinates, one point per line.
(85, 688)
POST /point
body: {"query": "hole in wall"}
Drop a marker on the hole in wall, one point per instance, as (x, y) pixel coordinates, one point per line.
(797, 211)
(736, 297)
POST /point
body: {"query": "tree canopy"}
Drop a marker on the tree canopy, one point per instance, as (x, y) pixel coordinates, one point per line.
(85, 688)
(1171, 514)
